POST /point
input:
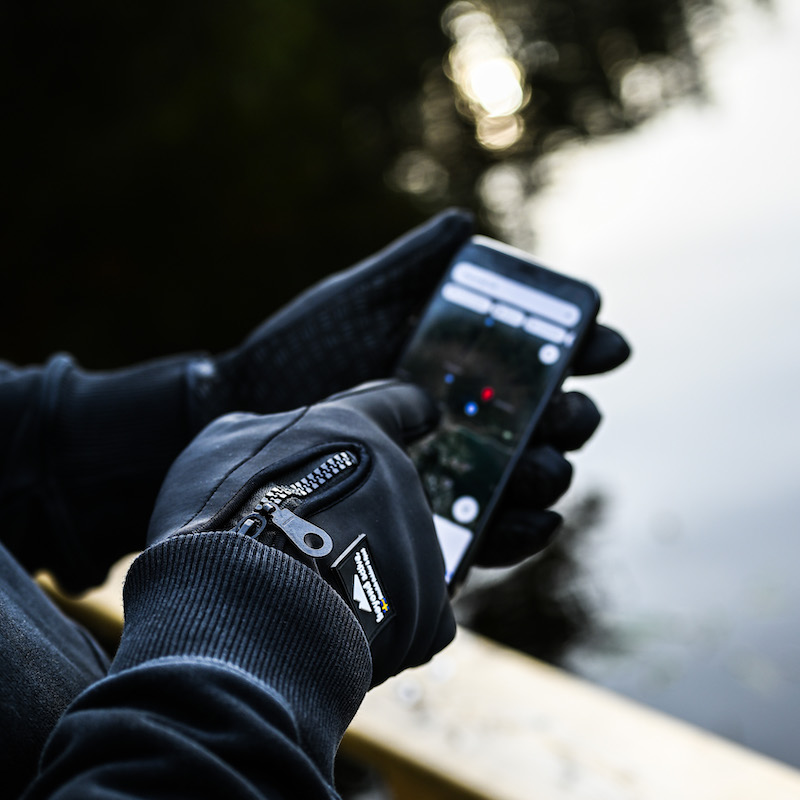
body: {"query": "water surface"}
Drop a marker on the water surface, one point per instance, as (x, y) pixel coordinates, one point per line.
(691, 228)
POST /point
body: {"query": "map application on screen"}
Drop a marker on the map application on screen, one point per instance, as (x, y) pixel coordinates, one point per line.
(490, 349)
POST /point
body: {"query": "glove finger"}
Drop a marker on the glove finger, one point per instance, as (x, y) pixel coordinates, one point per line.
(517, 534)
(435, 241)
(402, 410)
(604, 349)
(540, 478)
(568, 421)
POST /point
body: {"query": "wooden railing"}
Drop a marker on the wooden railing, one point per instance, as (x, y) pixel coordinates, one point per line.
(482, 721)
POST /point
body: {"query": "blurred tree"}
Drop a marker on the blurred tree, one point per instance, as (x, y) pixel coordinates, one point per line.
(174, 171)
(523, 78)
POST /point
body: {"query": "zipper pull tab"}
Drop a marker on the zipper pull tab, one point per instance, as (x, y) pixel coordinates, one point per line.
(307, 538)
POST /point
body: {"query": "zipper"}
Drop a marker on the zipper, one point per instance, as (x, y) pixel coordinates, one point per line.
(310, 539)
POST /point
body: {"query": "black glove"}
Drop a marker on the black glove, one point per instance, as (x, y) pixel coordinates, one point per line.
(522, 524)
(352, 328)
(80, 444)
(345, 330)
(110, 436)
(331, 485)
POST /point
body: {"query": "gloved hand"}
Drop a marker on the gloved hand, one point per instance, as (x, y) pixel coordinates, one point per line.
(331, 485)
(345, 330)
(352, 328)
(523, 525)
(114, 434)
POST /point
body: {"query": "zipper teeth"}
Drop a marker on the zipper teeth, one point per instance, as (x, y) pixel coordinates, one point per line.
(313, 481)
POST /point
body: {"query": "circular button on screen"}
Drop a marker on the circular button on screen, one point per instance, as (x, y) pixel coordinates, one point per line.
(549, 354)
(465, 509)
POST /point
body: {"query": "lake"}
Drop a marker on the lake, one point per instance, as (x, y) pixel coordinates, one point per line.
(690, 227)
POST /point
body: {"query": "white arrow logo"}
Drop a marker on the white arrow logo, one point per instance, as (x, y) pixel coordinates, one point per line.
(359, 595)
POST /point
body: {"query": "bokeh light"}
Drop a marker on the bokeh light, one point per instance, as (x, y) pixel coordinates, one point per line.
(487, 77)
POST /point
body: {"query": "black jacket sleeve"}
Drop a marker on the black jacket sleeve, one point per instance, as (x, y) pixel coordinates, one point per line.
(238, 671)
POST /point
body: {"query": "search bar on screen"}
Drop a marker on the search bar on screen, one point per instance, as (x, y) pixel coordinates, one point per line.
(510, 291)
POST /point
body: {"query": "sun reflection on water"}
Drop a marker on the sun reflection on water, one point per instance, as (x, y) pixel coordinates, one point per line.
(489, 80)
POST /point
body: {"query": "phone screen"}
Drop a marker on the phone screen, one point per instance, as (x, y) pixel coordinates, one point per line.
(492, 346)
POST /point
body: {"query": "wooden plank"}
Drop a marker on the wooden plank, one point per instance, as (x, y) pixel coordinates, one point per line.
(500, 725)
(98, 609)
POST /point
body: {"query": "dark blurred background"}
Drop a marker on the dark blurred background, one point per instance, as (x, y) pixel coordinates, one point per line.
(172, 172)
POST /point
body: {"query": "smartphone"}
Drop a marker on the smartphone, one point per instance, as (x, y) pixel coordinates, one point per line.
(492, 346)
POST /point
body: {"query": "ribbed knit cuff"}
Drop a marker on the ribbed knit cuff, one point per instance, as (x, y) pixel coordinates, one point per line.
(228, 597)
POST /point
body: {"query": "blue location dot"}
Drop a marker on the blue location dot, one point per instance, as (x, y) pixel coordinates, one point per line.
(488, 322)
(449, 377)
(471, 409)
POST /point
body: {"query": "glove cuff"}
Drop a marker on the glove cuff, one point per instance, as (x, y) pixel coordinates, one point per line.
(106, 442)
(227, 597)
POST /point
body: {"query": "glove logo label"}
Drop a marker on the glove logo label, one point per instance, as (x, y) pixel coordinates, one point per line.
(362, 587)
